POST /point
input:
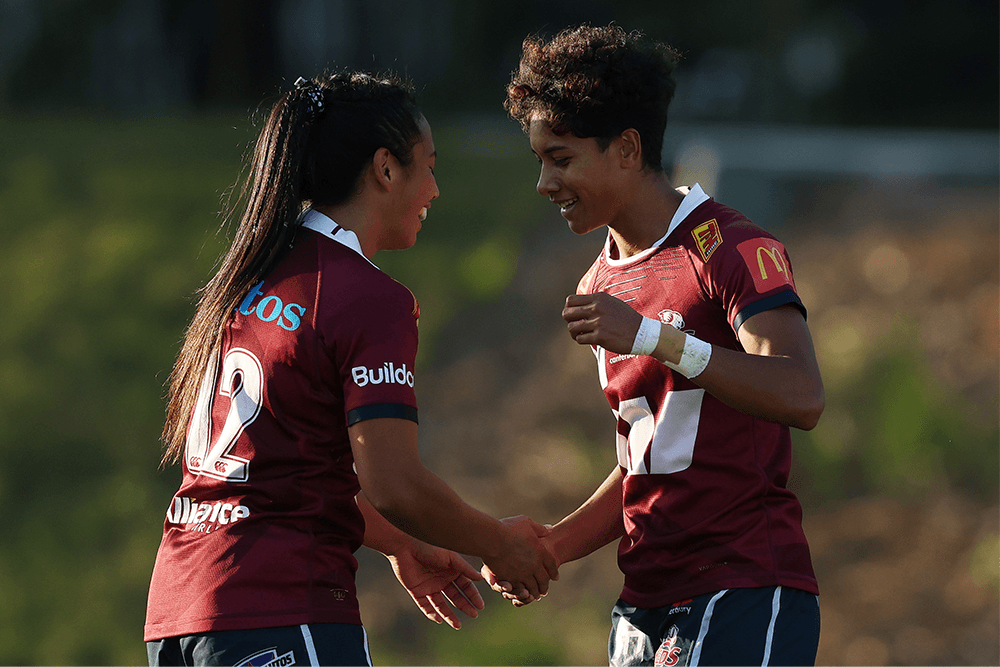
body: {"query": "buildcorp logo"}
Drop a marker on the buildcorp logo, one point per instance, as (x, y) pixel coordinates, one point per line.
(387, 373)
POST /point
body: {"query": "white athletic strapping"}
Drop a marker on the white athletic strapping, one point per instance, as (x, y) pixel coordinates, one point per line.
(646, 337)
(694, 358)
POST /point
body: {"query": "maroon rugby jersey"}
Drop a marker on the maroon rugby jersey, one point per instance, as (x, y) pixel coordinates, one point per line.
(705, 501)
(263, 529)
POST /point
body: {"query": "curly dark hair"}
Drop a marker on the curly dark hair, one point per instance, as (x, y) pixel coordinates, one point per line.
(596, 82)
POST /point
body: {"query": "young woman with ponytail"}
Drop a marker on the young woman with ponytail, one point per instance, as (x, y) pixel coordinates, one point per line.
(292, 407)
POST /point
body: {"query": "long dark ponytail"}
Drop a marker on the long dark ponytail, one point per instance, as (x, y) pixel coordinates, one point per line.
(313, 150)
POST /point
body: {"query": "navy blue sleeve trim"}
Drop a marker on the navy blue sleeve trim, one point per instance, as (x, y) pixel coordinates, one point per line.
(767, 303)
(381, 411)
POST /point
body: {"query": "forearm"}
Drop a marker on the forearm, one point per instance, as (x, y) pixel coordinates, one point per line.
(783, 388)
(418, 503)
(768, 387)
(381, 535)
(597, 522)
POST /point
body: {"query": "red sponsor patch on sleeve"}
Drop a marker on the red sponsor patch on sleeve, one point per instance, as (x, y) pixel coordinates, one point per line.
(767, 262)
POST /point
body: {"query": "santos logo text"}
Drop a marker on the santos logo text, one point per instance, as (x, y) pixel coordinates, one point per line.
(386, 373)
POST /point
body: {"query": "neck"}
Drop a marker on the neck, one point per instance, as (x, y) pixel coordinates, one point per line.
(650, 208)
(358, 218)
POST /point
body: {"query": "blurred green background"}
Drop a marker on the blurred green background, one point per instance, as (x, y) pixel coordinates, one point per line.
(863, 134)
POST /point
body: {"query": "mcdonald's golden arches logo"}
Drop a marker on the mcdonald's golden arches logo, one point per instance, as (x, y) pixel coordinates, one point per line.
(768, 263)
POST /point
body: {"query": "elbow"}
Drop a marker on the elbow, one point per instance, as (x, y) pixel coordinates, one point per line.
(809, 410)
(389, 501)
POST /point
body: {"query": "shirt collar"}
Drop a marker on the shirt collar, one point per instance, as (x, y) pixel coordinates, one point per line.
(694, 198)
(326, 226)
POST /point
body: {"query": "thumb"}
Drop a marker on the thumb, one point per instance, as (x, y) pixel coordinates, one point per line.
(541, 530)
(462, 566)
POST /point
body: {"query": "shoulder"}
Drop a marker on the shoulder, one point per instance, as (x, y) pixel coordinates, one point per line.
(715, 232)
(349, 281)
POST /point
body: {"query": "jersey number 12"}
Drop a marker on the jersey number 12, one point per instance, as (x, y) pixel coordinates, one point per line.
(242, 381)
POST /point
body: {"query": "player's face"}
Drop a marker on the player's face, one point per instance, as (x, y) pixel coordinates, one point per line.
(418, 189)
(578, 177)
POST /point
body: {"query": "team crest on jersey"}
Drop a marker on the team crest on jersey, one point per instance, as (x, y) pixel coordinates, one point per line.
(268, 658)
(708, 238)
(671, 317)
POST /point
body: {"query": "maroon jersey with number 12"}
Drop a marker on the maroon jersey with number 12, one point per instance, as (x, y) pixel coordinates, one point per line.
(706, 503)
(263, 529)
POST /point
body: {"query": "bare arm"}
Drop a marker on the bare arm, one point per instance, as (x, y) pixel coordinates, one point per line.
(416, 501)
(776, 379)
(431, 575)
(594, 524)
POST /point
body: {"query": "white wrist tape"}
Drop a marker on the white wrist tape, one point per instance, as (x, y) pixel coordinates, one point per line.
(646, 337)
(694, 358)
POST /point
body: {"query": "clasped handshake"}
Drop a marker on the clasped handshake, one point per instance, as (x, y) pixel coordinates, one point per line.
(522, 571)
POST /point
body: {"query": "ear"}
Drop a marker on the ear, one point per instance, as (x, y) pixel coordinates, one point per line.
(630, 145)
(385, 168)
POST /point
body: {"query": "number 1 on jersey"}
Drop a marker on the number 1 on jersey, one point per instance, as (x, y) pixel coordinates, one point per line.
(242, 381)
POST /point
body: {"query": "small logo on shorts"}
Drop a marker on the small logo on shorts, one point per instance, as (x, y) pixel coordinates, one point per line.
(268, 658)
(683, 607)
(671, 651)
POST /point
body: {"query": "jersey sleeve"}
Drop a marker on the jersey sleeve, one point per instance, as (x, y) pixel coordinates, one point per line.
(750, 272)
(376, 357)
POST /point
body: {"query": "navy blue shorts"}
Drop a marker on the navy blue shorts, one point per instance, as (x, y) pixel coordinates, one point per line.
(776, 625)
(313, 644)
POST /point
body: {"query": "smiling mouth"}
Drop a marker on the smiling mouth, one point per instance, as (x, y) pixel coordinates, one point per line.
(423, 214)
(567, 204)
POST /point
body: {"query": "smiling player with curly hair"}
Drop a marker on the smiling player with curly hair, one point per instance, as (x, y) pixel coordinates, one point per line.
(705, 358)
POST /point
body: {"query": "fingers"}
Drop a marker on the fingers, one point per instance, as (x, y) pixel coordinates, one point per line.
(603, 320)
(427, 607)
(528, 564)
(489, 576)
(542, 530)
(464, 595)
(531, 585)
(440, 606)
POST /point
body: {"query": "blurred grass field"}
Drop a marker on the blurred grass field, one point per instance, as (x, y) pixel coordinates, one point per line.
(110, 227)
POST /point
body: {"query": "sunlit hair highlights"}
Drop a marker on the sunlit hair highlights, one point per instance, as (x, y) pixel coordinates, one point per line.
(596, 82)
(311, 151)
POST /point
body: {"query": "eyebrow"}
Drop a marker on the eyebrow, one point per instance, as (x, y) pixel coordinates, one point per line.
(550, 149)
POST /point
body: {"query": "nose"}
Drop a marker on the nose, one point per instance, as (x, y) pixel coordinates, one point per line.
(546, 182)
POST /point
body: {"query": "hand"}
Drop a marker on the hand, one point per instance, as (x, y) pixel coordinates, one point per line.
(601, 319)
(434, 577)
(517, 595)
(527, 563)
